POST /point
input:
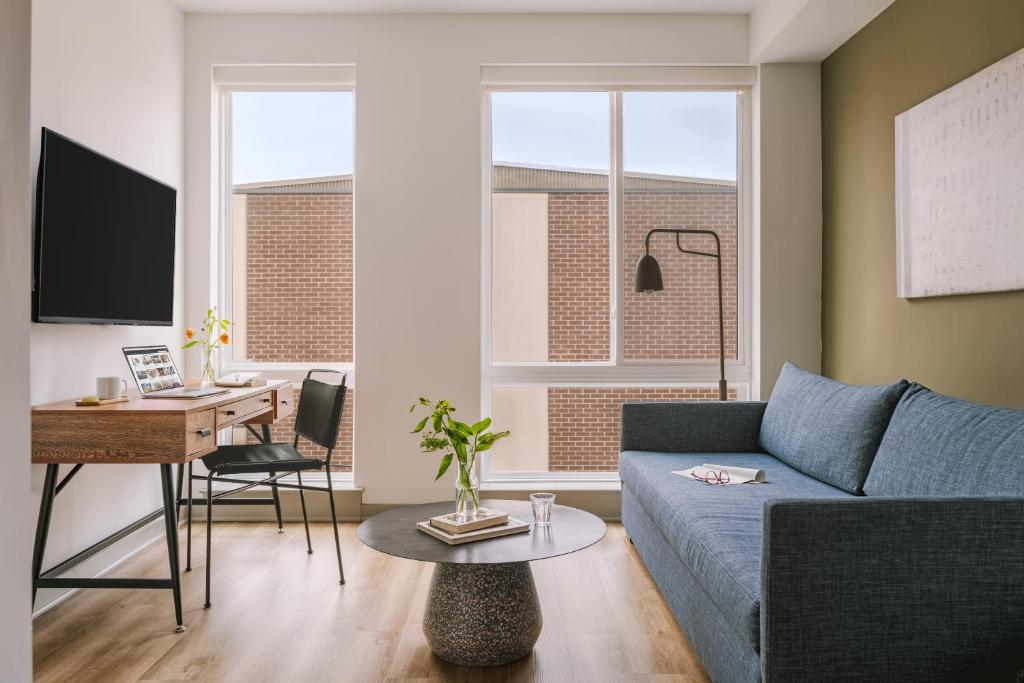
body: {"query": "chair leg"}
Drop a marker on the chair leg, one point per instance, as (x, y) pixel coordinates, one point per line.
(334, 523)
(209, 530)
(277, 504)
(188, 524)
(305, 519)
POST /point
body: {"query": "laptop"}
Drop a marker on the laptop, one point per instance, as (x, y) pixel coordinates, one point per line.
(155, 374)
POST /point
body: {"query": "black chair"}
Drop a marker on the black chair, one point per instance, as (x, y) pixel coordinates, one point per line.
(317, 419)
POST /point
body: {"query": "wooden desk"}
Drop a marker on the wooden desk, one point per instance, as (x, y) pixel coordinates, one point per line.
(152, 431)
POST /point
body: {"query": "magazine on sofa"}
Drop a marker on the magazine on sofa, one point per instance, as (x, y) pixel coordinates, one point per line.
(723, 474)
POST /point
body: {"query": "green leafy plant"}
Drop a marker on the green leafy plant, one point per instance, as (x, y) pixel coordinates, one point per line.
(454, 440)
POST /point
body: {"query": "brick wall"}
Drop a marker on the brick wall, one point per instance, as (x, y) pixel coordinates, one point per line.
(299, 280)
(578, 277)
(680, 323)
(299, 289)
(583, 422)
(299, 277)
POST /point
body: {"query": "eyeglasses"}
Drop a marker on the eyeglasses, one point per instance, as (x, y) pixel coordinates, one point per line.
(713, 477)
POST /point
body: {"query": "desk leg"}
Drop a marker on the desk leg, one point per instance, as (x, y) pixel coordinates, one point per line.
(171, 525)
(188, 524)
(177, 490)
(43, 524)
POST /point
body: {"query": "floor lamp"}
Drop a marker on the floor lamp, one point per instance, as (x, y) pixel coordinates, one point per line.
(648, 279)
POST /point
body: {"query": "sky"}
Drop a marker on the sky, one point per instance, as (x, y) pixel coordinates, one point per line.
(284, 135)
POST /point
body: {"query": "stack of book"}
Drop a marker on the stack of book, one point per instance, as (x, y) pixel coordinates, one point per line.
(487, 524)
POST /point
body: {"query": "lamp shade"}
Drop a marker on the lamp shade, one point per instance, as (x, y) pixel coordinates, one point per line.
(648, 275)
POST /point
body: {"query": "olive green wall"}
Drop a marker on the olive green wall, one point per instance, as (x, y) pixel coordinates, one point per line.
(970, 346)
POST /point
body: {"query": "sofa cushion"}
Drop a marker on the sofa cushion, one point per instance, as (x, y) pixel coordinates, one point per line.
(942, 446)
(825, 428)
(717, 530)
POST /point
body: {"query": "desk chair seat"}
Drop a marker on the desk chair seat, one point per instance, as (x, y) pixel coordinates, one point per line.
(317, 419)
(259, 457)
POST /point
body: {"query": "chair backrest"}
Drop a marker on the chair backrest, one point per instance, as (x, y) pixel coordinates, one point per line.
(320, 406)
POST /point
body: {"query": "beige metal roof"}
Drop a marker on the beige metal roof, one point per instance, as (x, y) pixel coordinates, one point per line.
(328, 184)
(511, 177)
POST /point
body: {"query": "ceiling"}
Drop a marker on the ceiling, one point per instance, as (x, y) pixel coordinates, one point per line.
(470, 6)
(780, 30)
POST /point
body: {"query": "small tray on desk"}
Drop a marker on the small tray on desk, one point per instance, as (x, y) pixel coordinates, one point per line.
(102, 402)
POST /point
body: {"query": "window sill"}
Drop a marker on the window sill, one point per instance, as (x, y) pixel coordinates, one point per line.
(551, 485)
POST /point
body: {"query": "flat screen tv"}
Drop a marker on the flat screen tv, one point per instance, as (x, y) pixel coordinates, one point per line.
(104, 240)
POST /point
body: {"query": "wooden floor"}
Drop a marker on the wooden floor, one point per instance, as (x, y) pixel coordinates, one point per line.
(279, 615)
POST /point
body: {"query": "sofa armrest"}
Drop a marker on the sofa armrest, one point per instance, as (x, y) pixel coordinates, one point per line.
(889, 589)
(692, 427)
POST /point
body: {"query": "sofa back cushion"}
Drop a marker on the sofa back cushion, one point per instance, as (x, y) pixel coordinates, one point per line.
(942, 446)
(825, 428)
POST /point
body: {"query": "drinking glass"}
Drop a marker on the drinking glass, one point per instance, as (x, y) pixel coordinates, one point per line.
(542, 504)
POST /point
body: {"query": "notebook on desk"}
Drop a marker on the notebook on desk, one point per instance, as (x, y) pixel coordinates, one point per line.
(157, 377)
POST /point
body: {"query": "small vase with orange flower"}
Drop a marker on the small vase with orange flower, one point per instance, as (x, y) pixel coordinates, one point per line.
(213, 334)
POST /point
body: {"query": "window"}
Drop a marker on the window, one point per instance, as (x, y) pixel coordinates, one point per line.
(288, 238)
(577, 180)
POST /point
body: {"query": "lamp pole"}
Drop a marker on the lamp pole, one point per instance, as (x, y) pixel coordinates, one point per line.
(648, 279)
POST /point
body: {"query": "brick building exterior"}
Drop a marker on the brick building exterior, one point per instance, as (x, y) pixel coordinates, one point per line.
(299, 277)
(680, 323)
(583, 422)
(298, 283)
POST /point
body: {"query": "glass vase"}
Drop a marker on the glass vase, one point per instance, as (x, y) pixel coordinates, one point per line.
(208, 376)
(467, 500)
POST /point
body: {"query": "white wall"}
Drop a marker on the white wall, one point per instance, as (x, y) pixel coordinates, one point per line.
(788, 185)
(417, 169)
(15, 283)
(109, 74)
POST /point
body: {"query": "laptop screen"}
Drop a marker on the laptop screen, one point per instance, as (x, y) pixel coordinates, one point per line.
(152, 368)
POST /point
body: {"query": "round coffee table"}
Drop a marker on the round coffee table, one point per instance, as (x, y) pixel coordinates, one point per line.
(483, 608)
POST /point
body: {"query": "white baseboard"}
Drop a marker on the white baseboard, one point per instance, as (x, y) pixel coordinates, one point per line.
(348, 504)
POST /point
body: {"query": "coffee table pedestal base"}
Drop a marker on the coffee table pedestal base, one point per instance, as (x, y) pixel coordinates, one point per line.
(482, 614)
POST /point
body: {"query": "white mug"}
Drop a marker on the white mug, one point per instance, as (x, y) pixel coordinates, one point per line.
(110, 387)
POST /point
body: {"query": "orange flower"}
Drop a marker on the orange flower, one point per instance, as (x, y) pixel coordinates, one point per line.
(189, 333)
(224, 338)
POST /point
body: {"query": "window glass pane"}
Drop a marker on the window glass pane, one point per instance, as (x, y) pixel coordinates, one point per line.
(291, 226)
(571, 429)
(680, 166)
(291, 238)
(550, 275)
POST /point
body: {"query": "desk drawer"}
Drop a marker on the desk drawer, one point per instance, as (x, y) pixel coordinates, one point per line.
(240, 411)
(201, 432)
(284, 404)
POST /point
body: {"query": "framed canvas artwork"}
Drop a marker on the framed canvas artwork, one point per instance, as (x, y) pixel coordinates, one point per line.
(960, 187)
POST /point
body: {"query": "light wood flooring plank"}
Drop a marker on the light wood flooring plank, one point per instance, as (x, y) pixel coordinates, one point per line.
(279, 615)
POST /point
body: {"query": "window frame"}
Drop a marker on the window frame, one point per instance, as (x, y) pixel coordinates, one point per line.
(332, 78)
(618, 372)
(273, 78)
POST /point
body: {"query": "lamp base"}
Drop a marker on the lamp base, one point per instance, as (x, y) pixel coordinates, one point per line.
(723, 390)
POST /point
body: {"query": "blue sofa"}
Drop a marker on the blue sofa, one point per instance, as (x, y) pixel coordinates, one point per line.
(887, 545)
